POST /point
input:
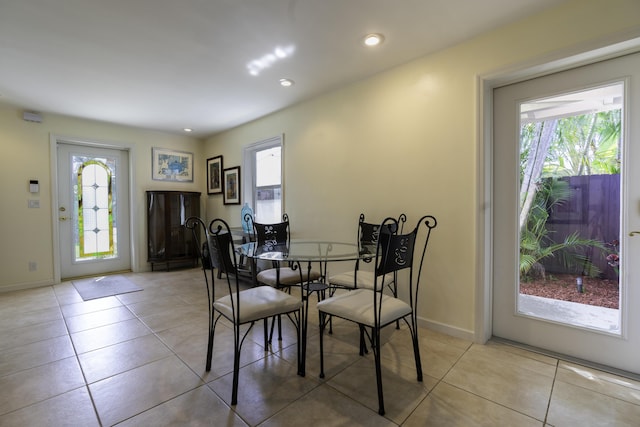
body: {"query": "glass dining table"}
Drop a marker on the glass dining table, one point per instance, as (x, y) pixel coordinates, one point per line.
(304, 254)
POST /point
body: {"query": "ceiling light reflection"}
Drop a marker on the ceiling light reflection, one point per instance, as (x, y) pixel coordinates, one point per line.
(255, 66)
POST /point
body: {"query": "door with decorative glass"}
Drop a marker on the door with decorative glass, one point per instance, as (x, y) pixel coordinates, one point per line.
(93, 219)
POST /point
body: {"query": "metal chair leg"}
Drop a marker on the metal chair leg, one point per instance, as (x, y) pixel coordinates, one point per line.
(266, 334)
(322, 326)
(209, 350)
(363, 342)
(376, 351)
(416, 354)
(236, 368)
(279, 319)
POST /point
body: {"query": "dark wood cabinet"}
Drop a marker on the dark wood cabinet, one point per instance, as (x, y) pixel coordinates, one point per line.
(169, 242)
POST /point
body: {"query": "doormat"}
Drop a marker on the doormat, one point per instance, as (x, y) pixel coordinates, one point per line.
(104, 286)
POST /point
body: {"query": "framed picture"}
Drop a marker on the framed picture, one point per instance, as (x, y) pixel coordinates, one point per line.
(231, 185)
(214, 175)
(171, 165)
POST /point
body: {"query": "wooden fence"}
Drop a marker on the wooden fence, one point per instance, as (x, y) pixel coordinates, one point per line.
(594, 212)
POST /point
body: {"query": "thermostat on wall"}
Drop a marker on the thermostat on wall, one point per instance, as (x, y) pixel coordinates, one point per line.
(34, 187)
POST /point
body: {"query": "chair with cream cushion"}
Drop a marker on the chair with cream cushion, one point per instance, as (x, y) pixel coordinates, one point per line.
(277, 236)
(237, 305)
(372, 309)
(361, 278)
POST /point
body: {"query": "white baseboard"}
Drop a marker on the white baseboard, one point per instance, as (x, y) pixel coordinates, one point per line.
(446, 329)
(26, 285)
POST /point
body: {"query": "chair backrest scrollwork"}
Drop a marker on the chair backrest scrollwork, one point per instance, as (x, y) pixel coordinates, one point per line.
(369, 233)
(396, 251)
(271, 236)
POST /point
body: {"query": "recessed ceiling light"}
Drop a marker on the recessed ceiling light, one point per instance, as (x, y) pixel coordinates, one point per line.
(286, 82)
(188, 130)
(373, 39)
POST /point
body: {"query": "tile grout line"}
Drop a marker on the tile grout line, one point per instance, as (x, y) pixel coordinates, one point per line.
(553, 385)
(484, 398)
(75, 352)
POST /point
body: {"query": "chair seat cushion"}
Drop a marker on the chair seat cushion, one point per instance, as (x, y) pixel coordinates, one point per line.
(258, 303)
(366, 280)
(358, 307)
(288, 276)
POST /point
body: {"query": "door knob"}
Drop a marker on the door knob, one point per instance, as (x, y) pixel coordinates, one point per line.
(632, 233)
(63, 218)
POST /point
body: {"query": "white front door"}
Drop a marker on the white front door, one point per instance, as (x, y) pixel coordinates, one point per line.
(93, 210)
(617, 347)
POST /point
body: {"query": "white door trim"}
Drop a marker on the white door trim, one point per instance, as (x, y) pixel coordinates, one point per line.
(54, 139)
(486, 83)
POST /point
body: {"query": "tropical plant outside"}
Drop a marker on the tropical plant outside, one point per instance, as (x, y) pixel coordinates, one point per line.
(537, 243)
(583, 144)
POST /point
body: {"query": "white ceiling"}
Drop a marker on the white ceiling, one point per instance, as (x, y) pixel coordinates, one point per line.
(168, 64)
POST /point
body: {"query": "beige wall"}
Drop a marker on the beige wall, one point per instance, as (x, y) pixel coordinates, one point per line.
(408, 140)
(27, 234)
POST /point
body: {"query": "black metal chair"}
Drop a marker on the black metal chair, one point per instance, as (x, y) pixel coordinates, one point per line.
(372, 309)
(277, 236)
(359, 278)
(368, 234)
(238, 306)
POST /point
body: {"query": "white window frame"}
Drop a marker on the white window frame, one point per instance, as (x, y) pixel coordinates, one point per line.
(249, 169)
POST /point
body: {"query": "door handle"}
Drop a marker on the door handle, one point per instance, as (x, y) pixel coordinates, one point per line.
(633, 233)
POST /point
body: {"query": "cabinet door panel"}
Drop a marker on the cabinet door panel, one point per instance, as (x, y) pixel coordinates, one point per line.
(168, 239)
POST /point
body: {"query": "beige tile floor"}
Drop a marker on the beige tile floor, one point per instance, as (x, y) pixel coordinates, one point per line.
(137, 359)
